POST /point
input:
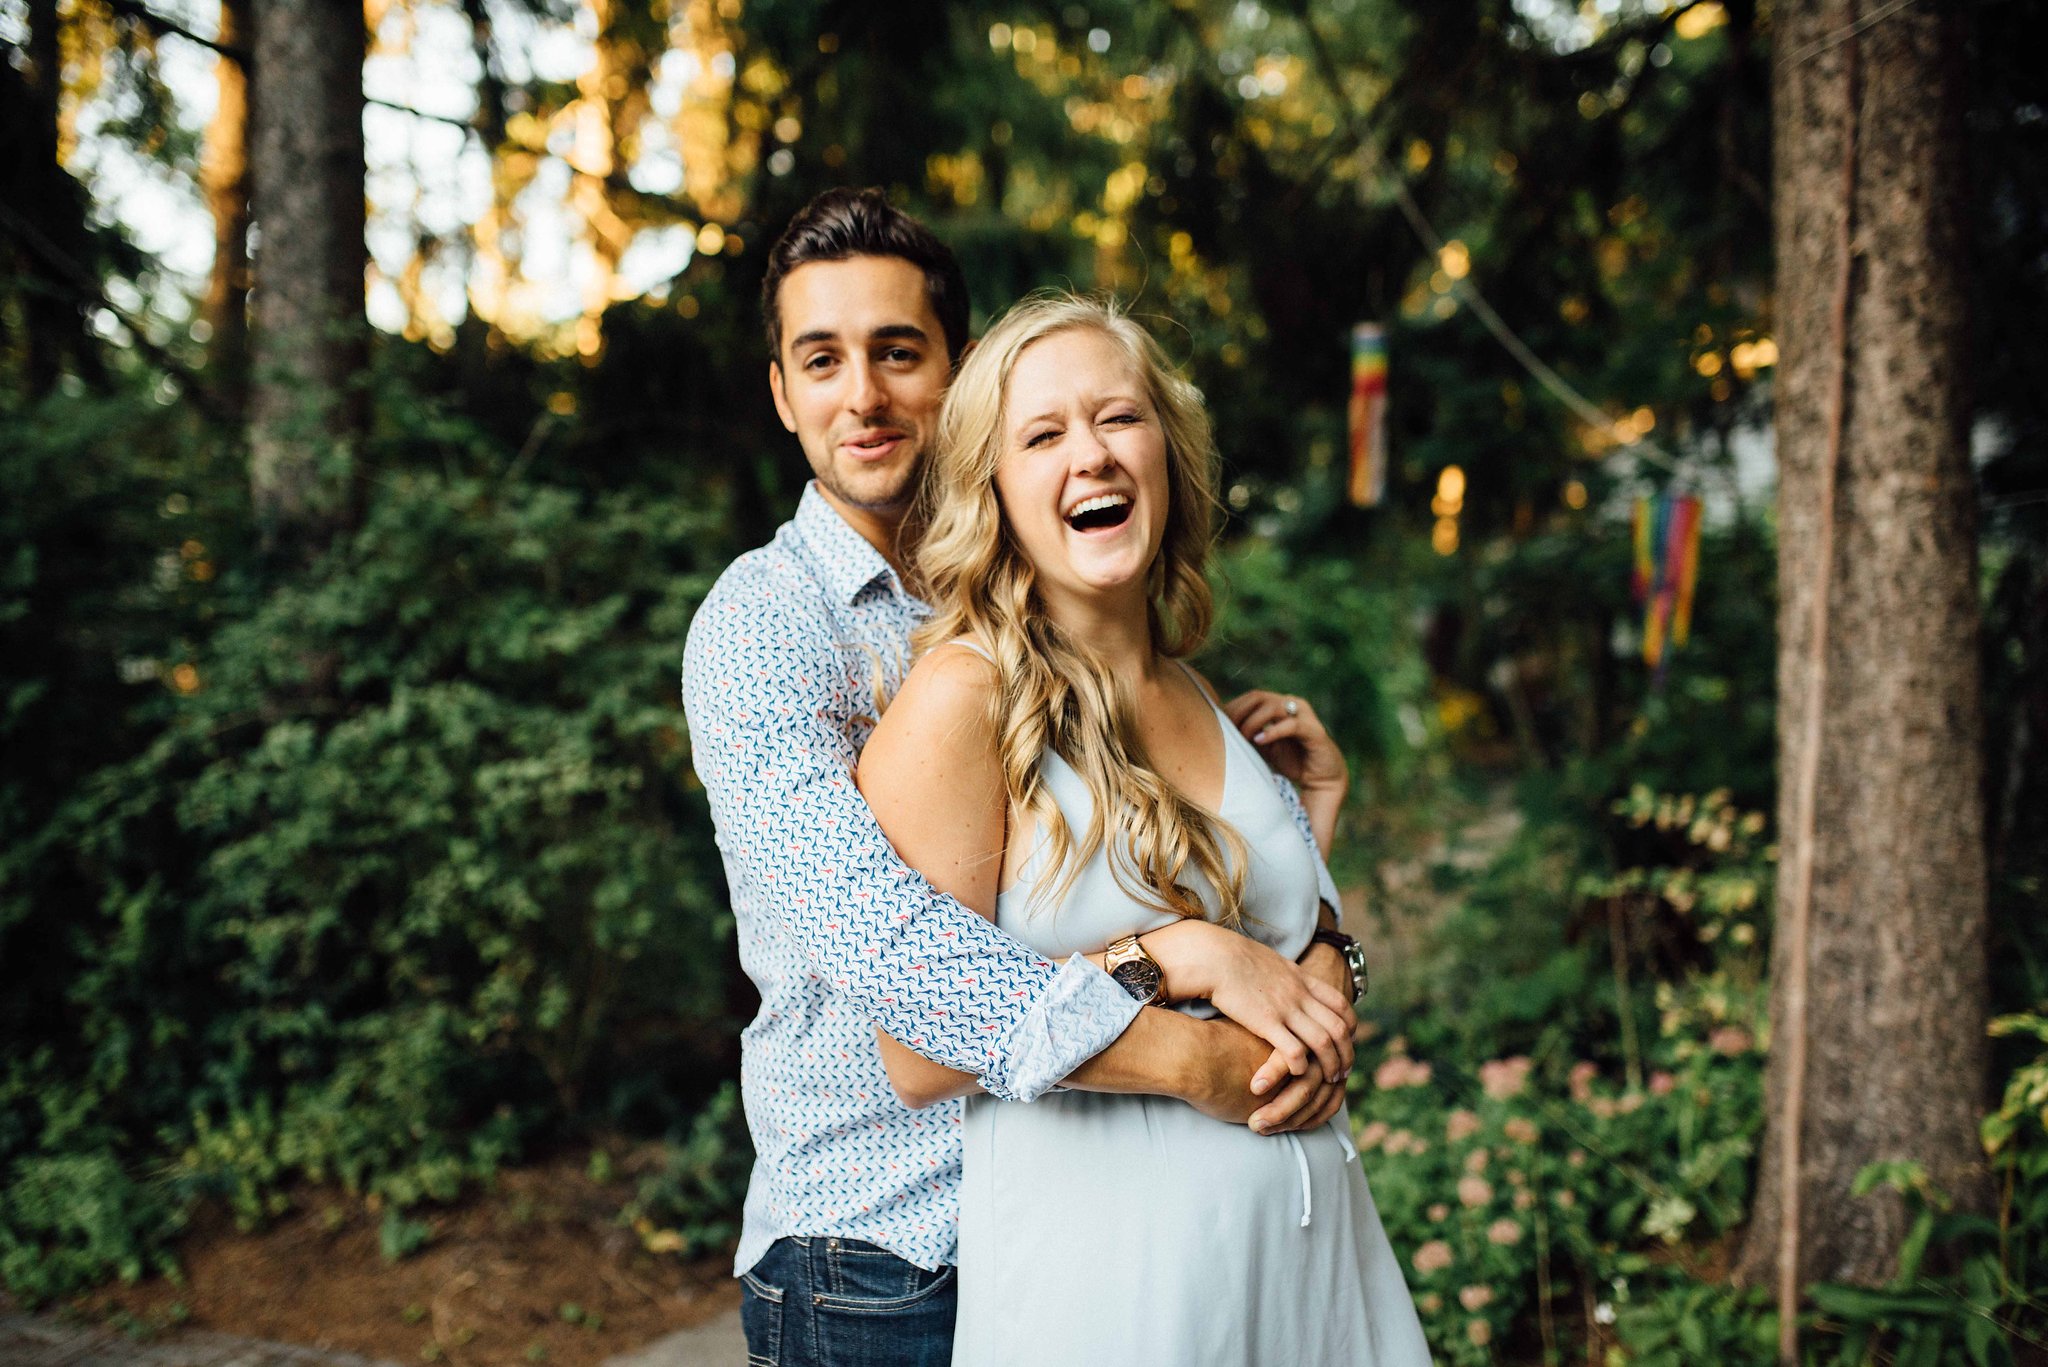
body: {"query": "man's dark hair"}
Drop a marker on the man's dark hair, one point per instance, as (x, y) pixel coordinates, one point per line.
(845, 222)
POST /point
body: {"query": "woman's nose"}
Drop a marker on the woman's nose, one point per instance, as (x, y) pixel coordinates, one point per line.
(1086, 453)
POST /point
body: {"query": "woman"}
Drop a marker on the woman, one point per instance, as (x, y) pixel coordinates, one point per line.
(1050, 762)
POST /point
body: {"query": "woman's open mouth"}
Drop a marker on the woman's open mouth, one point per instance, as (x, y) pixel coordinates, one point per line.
(1100, 513)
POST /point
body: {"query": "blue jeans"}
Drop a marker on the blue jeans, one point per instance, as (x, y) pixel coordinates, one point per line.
(818, 1302)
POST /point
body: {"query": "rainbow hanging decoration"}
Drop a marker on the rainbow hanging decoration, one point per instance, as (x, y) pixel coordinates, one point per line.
(1666, 532)
(1368, 414)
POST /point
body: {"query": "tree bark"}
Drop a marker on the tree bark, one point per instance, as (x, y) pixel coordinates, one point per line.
(1896, 987)
(224, 175)
(308, 347)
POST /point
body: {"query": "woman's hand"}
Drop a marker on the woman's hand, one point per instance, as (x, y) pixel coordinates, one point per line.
(1292, 738)
(1304, 1018)
(1302, 1104)
(1294, 741)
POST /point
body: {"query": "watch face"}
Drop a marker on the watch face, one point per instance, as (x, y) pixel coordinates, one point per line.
(1139, 977)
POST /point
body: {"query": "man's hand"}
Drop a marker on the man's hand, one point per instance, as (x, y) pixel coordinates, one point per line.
(1326, 965)
(1219, 1084)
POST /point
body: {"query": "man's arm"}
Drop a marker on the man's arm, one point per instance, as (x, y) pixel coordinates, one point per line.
(763, 689)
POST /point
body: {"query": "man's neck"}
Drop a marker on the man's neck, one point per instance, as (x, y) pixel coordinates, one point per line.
(885, 528)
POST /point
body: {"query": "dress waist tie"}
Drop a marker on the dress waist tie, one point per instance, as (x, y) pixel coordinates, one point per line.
(1301, 1164)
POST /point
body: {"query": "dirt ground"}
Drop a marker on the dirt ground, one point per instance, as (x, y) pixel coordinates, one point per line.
(533, 1272)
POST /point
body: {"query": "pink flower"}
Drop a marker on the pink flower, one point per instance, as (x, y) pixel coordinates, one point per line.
(1521, 1129)
(1661, 1083)
(1401, 1141)
(1475, 1161)
(1480, 1332)
(1524, 1199)
(1567, 1198)
(1730, 1040)
(1602, 1106)
(1461, 1125)
(1474, 1191)
(1582, 1076)
(1629, 1103)
(1439, 1212)
(1371, 1135)
(1576, 1158)
(1400, 1071)
(1429, 1302)
(1504, 1231)
(1502, 1078)
(1476, 1298)
(1433, 1256)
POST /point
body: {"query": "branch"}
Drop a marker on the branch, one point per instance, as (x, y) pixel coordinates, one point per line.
(162, 26)
(76, 280)
(465, 125)
(243, 57)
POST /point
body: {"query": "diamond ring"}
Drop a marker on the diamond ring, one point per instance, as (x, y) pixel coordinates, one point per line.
(1293, 707)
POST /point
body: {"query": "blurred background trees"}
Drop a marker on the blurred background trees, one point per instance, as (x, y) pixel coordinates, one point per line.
(348, 825)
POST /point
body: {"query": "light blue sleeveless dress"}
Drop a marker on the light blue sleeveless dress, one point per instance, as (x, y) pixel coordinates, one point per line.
(1100, 1229)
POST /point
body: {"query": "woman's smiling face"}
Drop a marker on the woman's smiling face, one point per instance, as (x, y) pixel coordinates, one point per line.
(1083, 475)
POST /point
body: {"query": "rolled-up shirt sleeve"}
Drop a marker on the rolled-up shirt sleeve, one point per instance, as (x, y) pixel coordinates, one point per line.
(765, 692)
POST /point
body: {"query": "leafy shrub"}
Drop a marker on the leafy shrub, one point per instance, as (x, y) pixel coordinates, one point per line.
(690, 1202)
(68, 1221)
(381, 868)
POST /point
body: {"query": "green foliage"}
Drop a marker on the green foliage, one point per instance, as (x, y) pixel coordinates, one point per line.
(69, 1221)
(399, 870)
(691, 1201)
(1505, 1176)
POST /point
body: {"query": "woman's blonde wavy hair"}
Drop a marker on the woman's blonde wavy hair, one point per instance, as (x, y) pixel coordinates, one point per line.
(1055, 694)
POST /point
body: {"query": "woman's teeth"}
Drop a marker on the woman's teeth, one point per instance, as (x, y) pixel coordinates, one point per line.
(1104, 510)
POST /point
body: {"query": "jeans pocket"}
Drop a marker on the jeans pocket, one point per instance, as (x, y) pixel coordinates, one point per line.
(860, 1277)
(761, 1320)
(876, 1310)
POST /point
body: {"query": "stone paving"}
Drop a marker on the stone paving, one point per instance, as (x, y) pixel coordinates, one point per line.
(45, 1341)
(41, 1341)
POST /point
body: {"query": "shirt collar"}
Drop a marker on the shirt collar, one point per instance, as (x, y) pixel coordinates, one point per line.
(846, 561)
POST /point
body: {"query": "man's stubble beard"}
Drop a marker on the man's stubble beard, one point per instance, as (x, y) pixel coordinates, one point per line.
(893, 499)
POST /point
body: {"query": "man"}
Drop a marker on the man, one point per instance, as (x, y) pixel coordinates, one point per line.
(848, 1237)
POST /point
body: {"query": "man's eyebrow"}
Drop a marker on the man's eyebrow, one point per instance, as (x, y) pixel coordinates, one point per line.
(888, 332)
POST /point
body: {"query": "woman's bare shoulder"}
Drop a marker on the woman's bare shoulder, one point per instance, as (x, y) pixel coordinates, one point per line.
(943, 706)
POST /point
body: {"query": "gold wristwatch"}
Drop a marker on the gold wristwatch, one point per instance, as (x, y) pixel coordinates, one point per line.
(1136, 971)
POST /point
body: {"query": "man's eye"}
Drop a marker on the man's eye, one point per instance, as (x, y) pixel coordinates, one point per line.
(819, 361)
(901, 354)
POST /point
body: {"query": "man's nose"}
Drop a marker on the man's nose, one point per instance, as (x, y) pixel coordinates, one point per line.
(864, 391)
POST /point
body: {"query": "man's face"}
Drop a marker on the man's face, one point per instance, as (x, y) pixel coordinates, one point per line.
(862, 369)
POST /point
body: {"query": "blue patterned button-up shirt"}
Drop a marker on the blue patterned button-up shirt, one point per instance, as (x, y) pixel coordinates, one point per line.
(779, 681)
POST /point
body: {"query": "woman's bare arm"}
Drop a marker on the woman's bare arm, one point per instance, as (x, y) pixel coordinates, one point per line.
(931, 774)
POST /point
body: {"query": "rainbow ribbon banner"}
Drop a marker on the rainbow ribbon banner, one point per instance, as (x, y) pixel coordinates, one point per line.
(1666, 536)
(1368, 411)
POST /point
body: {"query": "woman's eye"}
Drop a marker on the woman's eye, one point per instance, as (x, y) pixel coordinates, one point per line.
(1040, 438)
(1122, 417)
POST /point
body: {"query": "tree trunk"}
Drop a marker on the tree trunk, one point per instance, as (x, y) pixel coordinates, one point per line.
(306, 410)
(224, 175)
(1896, 985)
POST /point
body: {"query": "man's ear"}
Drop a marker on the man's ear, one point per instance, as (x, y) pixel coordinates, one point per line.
(965, 352)
(782, 409)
